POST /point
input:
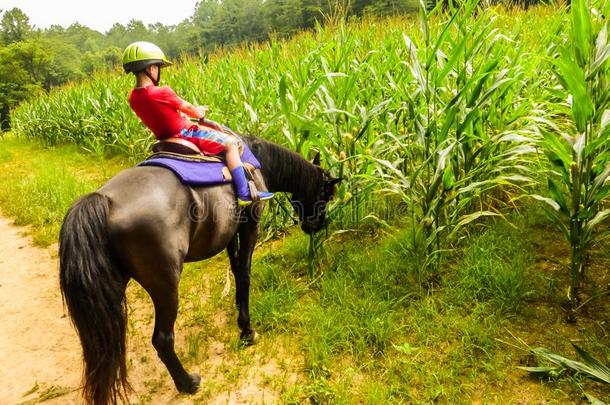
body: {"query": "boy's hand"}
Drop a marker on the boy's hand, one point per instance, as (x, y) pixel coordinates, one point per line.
(204, 110)
(211, 124)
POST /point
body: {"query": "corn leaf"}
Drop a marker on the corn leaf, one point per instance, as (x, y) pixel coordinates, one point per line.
(552, 203)
(573, 76)
(592, 400)
(602, 372)
(602, 53)
(581, 30)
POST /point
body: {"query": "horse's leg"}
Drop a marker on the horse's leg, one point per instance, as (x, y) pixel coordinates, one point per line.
(232, 252)
(166, 309)
(241, 260)
(241, 281)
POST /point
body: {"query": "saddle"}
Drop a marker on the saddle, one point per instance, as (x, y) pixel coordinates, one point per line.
(186, 151)
(182, 148)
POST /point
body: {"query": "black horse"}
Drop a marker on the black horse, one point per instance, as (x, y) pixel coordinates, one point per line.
(144, 224)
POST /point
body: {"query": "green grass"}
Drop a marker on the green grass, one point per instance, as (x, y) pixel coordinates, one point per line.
(39, 184)
(366, 328)
(492, 268)
(369, 334)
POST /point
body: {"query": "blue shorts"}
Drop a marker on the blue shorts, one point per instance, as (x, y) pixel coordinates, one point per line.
(207, 140)
(209, 134)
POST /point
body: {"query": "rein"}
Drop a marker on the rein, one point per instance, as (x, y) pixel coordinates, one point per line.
(280, 203)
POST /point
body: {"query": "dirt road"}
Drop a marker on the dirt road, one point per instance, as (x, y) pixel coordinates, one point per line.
(39, 350)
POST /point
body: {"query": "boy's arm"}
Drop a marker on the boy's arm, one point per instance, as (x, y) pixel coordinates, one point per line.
(199, 113)
(193, 111)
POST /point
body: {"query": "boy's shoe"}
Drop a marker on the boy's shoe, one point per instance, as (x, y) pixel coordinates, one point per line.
(263, 196)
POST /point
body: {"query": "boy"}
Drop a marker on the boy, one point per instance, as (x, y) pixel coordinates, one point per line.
(160, 110)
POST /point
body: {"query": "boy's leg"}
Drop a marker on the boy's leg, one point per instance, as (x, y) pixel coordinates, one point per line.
(239, 175)
(232, 153)
(237, 170)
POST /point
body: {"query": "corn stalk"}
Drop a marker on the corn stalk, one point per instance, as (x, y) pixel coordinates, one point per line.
(578, 150)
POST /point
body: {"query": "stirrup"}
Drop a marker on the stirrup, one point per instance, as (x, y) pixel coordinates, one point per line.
(262, 196)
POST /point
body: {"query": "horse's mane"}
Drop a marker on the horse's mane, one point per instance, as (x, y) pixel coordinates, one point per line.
(283, 169)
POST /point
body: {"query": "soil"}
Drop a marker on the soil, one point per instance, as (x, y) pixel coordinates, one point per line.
(39, 348)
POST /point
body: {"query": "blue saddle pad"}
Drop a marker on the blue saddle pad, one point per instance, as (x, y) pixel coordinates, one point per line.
(199, 173)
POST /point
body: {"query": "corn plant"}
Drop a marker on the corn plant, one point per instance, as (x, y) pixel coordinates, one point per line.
(578, 150)
(451, 147)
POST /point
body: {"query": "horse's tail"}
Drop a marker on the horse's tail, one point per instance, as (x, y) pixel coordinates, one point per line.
(94, 291)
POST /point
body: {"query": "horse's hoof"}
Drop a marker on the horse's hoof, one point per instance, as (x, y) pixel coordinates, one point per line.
(249, 338)
(191, 385)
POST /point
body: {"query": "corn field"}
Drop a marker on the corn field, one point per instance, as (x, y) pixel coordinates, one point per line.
(438, 119)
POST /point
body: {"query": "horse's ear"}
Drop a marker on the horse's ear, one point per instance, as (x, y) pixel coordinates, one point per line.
(332, 182)
(316, 159)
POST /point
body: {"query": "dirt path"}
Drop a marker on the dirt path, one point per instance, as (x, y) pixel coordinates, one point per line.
(39, 350)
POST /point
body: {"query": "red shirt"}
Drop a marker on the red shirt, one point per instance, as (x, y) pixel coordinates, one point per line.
(158, 107)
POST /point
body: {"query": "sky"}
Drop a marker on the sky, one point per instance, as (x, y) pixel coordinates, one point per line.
(100, 15)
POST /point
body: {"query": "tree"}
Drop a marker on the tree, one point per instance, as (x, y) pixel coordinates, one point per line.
(250, 20)
(312, 12)
(184, 39)
(284, 16)
(84, 38)
(137, 31)
(385, 7)
(116, 35)
(104, 59)
(48, 63)
(207, 19)
(16, 82)
(30, 67)
(14, 26)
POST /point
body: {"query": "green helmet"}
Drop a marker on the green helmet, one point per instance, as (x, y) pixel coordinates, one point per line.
(138, 55)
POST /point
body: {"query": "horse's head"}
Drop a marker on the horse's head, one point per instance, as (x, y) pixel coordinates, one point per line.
(310, 203)
(310, 186)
